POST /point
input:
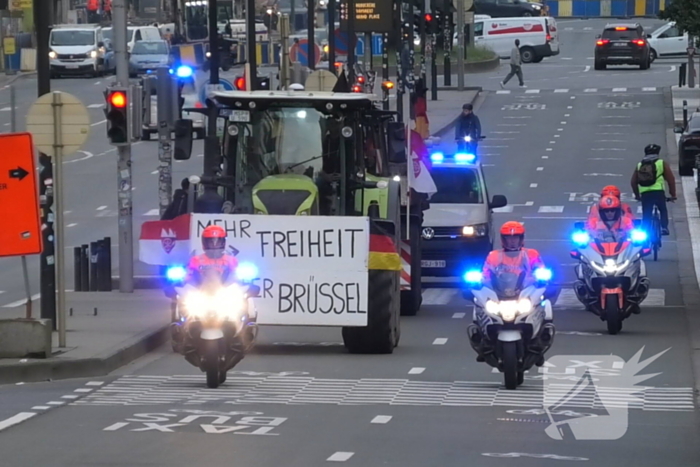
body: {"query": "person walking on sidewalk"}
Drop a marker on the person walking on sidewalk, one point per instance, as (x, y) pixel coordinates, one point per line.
(516, 68)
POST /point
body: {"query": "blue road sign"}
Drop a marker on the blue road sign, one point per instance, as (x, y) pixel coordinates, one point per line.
(377, 48)
(227, 85)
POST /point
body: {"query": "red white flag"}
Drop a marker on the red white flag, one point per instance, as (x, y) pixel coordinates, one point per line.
(163, 243)
(420, 178)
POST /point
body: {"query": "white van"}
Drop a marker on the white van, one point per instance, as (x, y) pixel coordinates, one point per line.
(76, 49)
(134, 34)
(539, 37)
(668, 41)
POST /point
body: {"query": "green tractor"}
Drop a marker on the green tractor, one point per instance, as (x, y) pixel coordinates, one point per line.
(303, 153)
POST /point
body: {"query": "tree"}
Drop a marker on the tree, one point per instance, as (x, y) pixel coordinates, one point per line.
(686, 14)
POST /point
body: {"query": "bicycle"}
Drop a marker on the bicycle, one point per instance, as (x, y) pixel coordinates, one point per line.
(656, 233)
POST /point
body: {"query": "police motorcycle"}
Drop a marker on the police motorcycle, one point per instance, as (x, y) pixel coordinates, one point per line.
(215, 323)
(468, 144)
(611, 274)
(512, 327)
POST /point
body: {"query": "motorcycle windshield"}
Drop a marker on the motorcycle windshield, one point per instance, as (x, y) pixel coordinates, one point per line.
(508, 284)
(212, 280)
(609, 249)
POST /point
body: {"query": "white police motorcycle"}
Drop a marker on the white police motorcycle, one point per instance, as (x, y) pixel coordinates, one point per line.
(512, 327)
(215, 324)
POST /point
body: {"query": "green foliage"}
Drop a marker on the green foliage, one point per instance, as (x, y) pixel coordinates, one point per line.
(685, 13)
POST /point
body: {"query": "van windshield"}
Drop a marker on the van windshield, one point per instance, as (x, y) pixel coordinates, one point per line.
(456, 186)
(69, 38)
(107, 34)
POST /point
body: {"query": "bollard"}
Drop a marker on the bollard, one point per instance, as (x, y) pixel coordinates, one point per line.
(77, 265)
(685, 114)
(84, 268)
(100, 265)
(682, 74)
(93, 266)
(108, 264)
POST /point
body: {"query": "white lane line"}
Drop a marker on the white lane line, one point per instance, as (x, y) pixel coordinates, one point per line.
(55, 403)
(41, 407)
(590, 90)
(557, 136)
(561, 90)
(533, 185)
(532, 91)
(94, 383)
(693, 216)
(70, 396)
(95, 106)
(83, 390)
(529, 203)
(459, 315)
(673, 68)
(21, 302)
(155, 172)
(552, 142)
(2, 292)
(340, 456)
(504, 209)
(503, 92)
(540, 169)
(551, 209)
(15, 419)
(549, 149)
(97, 83)
(153, 212)
(416, 371)
(619, 90)
(648, 89)
(563, 123)
(587, 69)
(72, 224)
(98, 123)
(440, 341)
(545, 157)
(560, 129)
(116, 426)
(383, 419)
(101, 208)
(569, 106)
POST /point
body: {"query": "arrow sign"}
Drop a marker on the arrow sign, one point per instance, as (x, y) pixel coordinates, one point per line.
(18, 173)
(233, 249)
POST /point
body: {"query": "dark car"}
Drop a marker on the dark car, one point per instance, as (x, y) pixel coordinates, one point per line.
(507, 8)
(689, 145)
(623, 44)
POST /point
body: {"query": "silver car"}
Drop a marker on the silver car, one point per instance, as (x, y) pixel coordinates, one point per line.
(147, 56)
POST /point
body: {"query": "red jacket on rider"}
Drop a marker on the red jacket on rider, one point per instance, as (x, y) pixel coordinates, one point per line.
(199, 265)
(621, 226)
(511, 261)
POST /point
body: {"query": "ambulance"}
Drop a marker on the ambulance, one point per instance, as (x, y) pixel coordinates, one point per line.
(539, 36)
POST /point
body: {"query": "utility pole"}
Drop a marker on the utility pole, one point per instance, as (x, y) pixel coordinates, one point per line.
(126, 233)
(165, 149)
(460, 45)
(447, 43)
(331, 36)
(311, 32)
(47, 273)
(293, 16)
(352, 41)
(284, 40)
(691, 62)
(424, 7)
(252, 65)
(213, 46)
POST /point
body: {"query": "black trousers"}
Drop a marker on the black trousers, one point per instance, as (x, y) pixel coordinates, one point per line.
(649, 199)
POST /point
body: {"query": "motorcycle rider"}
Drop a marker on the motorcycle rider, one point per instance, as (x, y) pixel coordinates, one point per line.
(648, 185)
(468, 124)
(611, 190)
(513, 256)
(214, 259)
(611, 224)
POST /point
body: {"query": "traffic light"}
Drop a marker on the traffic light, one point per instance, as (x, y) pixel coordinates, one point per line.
(117, 112)
(430, 22)
(263, 83)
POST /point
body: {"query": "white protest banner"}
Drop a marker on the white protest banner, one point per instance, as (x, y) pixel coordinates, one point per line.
(312, 270)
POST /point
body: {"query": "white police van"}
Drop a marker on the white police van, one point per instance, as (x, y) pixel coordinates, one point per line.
(458, 231)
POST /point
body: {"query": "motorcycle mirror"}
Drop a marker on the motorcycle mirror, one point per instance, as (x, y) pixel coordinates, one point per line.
(468, 295)
(575, 254)
(253, 290)
(579, 225)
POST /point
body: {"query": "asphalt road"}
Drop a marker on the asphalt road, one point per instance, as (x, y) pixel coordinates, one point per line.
(300, 400)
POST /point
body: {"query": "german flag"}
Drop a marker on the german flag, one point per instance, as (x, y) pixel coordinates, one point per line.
(383, 254)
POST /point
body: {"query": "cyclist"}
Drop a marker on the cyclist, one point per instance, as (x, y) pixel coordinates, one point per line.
(648, 185)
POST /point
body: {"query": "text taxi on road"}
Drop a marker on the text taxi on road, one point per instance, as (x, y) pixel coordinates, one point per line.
(458, 230)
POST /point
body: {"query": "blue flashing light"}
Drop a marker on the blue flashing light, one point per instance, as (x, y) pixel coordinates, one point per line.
(638, 236)
(473, 277)
(246, 272)
(437, 157)
(176, 273)
(184, 71)
(464, 157)
(543, 274)
(581, 238)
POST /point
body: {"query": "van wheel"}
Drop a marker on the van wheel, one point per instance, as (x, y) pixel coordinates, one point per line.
(527, 54)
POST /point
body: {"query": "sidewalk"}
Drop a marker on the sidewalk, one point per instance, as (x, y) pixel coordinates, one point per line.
(6, 80)
(126, 327)
(443, 112)
(692, 95)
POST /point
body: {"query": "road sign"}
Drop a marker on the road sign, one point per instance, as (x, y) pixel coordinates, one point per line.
(71, 116)
(320, 80)
(19, 197)
(342, 41)
(299, 52)
(376, 16)
(377, 46)
(225, 85)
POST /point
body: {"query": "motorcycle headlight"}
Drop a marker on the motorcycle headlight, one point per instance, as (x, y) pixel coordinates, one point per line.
(195, 303)
(229, 301)
(609, 266)
(467, 138)
(493, 307)
(524, 306)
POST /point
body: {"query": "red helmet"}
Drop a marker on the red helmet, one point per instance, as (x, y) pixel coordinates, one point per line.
(609, 208)
(214, 241)
(512, 235)
(611, 190)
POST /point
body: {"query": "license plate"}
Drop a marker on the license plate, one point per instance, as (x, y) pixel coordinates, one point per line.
(239, 116)
(620, 45)
(72, 66)
(432, 264)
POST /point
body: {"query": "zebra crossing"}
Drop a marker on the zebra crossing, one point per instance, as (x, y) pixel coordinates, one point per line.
(141, 390)
(566, 301)
(583, 91)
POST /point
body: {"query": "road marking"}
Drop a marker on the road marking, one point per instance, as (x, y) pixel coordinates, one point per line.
(532, 91)
(561, 90)
(648, 89)
(459, 315)
(435, 297)
(587, 69)
(551, 209)
(529, 203)
(533, 185)
(94, 383)
(673, 68)
(504, 209)
(549, 149)
(21, 302)
(590, 90)
(540, 169)
(41, 407)
(503, 92)
(101, 208)
(16, 419)
(83, 390)
(563, 123)
(383, 419)
(69, 396)
(560, 129)
(72, 224)
(155, 172)
(116, 426)
(88, 155)
(97, 83)
(416, 371)
(440, 341)
(619, 90)
(98, 123)
(340, 456)
(95, 106)
(557, 136)
(567, 115)
(552, 142)
(569, 106)
(567, 299)
(152, 212)
(55, 403)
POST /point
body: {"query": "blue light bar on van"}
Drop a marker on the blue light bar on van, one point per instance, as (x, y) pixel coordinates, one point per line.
(437, 157)
(464, 157)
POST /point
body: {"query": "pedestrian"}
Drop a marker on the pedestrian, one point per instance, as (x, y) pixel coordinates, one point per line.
(515, 65)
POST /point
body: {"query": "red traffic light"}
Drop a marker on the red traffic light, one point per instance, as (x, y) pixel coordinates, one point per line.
(428, 17)
(356, 88)
(240, 83)
(118, 99)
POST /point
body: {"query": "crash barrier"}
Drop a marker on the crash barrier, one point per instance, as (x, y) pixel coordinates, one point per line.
(93, 268)
(604, 8)
(262, 52)
(189, 54)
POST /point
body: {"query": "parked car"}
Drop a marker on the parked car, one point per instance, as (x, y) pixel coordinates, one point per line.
(147, 56)
(667, 41)
(689, 145)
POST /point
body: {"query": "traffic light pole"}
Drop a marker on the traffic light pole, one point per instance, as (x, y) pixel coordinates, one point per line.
(165, 116)
(47, 274)
(331, 37)
(447, 43)
(124, 194)
(311, 33)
